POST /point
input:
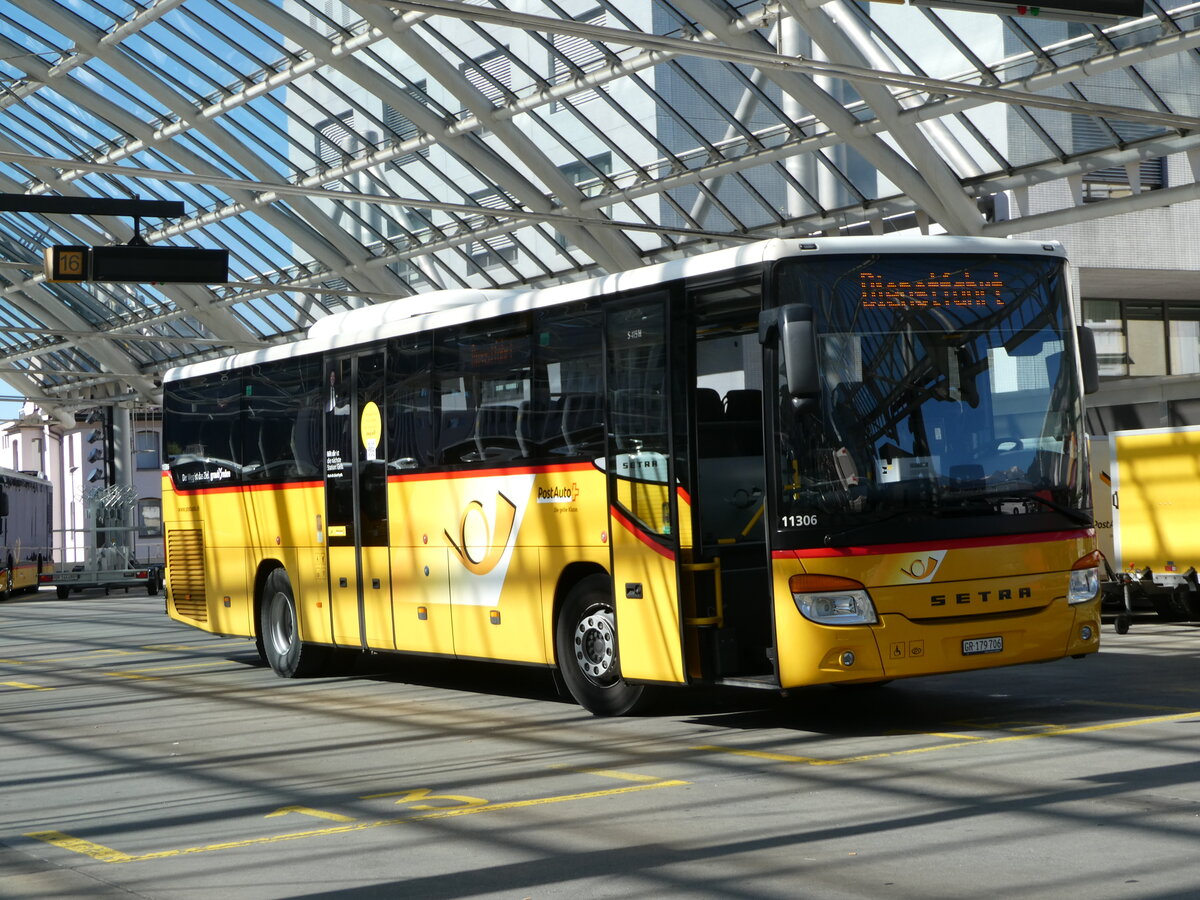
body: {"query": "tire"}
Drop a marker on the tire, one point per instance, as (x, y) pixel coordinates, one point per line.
(260, 646)
(279, 631)
(586, 643)
(63, 592)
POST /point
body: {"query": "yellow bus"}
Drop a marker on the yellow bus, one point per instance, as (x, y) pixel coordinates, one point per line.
(790, 463)
(26, 531)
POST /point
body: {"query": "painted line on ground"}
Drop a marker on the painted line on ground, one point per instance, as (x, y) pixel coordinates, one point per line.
(140, 673)
(911, 751)
(609, 773)
(211, 643)
(100, 853)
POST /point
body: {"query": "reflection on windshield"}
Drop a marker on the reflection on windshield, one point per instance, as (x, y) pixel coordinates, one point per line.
(947, 392)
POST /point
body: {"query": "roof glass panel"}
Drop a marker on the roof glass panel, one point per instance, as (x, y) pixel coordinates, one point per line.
(352, 152)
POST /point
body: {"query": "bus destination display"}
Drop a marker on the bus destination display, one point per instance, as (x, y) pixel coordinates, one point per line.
(945, 289)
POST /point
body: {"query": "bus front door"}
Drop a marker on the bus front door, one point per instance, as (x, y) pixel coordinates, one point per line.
(727, 585)
(356, 528)
(644, 502)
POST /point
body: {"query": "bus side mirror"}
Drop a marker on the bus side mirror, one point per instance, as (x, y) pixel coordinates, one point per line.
(792, 327)
(1088, 359)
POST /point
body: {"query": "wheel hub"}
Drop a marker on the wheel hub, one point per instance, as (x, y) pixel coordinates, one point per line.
(595, 646)
(282, 624)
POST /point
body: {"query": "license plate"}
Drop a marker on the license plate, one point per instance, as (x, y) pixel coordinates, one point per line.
(975, 646)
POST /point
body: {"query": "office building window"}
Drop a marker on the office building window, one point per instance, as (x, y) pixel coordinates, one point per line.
(1145, 337)
(145, 450)
(149, 517)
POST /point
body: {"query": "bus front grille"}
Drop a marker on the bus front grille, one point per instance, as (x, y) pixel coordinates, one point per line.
(185, 559)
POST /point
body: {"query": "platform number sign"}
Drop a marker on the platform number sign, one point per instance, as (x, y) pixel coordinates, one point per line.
(67, 263)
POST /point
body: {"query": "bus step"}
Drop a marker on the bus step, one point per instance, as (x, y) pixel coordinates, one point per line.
(762, 682)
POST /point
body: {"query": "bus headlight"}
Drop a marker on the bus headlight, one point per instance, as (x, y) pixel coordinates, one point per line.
(1085, 578)
(1084, 585)
(827, 600)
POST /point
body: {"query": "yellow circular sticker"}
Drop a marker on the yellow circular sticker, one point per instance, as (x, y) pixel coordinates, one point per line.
(370, 428)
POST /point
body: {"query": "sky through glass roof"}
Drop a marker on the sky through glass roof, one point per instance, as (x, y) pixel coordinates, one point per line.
(353, 152)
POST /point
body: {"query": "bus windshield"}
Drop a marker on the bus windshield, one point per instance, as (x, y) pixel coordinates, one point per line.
(949, 403)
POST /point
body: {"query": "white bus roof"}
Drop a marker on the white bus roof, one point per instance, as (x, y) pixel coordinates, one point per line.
(406, 315)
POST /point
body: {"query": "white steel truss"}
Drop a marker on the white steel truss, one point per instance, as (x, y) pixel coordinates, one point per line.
(353, 151)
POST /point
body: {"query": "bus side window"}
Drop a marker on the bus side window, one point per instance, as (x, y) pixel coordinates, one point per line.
(483, 374)
(567, 418)
(582, 423)
(412, 435)
(306, 449)
(281, 419)
(306, 440)
(204, 439)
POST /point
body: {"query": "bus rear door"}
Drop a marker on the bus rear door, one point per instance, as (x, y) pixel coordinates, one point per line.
(644, 503)
(356, 500)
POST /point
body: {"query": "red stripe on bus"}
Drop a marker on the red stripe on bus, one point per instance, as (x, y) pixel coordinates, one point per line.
(416, 476)
(247, 488)
(494, 473)
(641, 535)
(921, 546)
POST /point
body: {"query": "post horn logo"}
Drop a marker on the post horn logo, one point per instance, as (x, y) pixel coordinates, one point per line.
(481, 556)
(921, 570)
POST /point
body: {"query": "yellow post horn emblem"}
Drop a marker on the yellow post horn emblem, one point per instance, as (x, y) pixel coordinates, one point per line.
(922, 568)
(497, 541)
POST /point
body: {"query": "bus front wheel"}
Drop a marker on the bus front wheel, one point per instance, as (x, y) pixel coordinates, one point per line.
(586, 642)
(279, 630)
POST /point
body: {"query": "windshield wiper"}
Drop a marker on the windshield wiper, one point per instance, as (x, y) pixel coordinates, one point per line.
(836, 537)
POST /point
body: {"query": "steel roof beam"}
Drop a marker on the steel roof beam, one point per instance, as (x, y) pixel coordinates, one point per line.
(929, 161)
(611, 250)
(341, 253)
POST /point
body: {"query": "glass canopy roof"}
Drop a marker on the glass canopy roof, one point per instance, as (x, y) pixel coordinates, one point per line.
(347, 153)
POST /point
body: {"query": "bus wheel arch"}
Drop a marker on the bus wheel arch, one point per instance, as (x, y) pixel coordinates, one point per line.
(279, 629)
(6, 580)
(265, 568)
(585, 643)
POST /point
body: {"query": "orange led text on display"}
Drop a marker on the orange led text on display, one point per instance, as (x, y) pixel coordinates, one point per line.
(948, 289)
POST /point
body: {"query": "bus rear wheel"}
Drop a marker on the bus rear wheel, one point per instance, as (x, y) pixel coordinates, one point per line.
(279, 631)
(586, 642)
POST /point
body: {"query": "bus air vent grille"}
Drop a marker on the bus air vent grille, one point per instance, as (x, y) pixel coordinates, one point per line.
(185, 558)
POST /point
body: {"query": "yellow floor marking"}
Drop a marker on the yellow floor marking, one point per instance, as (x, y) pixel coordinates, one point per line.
(28, 687)
(78, 845)
(411, 794)
(11, 662)
(1113, 703)
(610, 773)
(182, 647)
(1051, 732)
(89, 656)
(138, 673)
(107, 854)
(306, 811)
